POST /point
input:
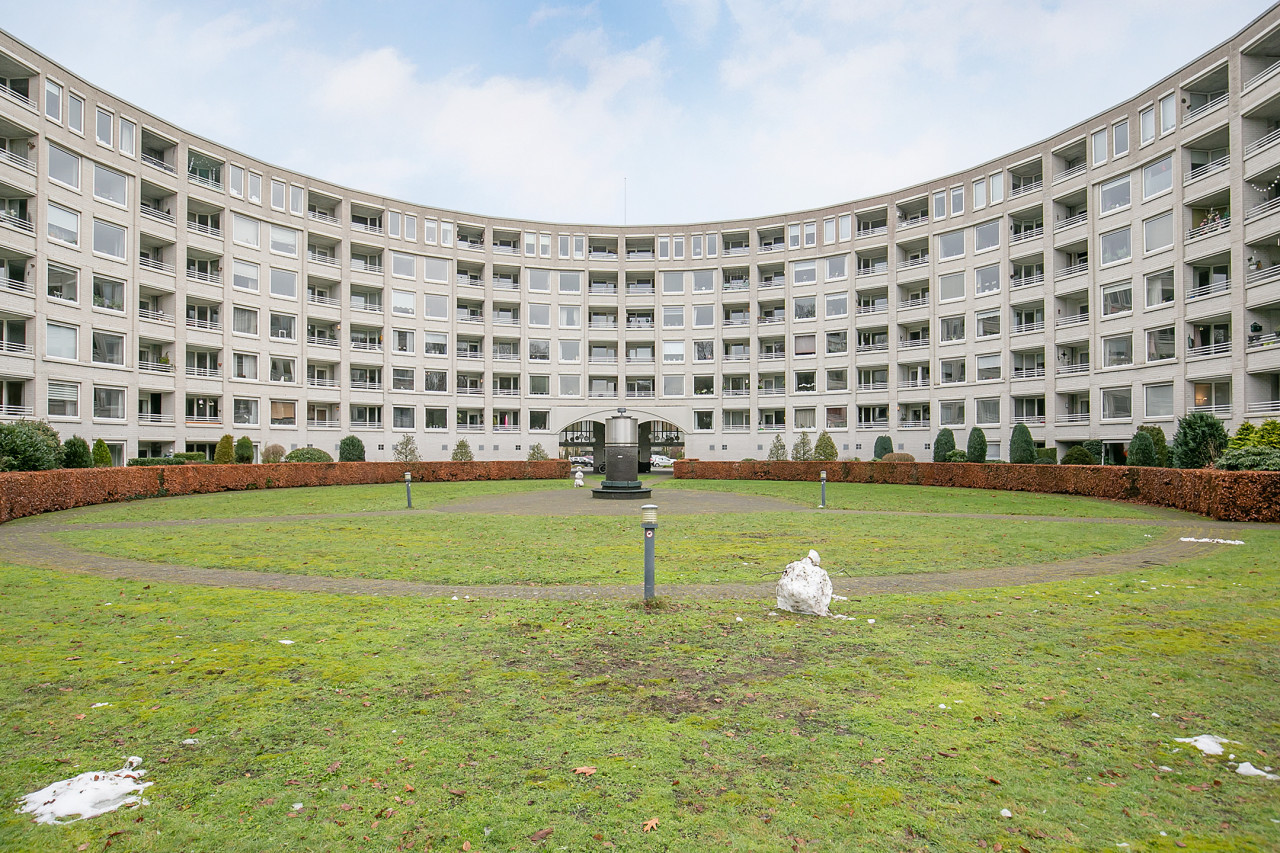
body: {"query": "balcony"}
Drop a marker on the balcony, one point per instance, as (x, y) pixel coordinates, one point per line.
(1262, 209)
(920, 302)
(1027, 234)
(1067, 174)
(207, 325)
(1072, 418)
(1208, 289)
(159, 266)
(204, 372)
(318, 258)
(203, 420)
(321, 382)
(367, 346)
(1068, 271)
(910, 263)
(319, 341)
(1265, 142)
(1071, 369)
(19, 349)
(1220, 348)
(1208, 106)
(912, 221)
(206, 230)
(367, 385)
(913, 424)
(1072, 320)
(1026, 187)
(16, 222)
(1030, 420)
(206, 277)
(156, 214)
(1221, 411)
(155, 418)
(325, 424)
(157, 163)
(1020, 328)
(1028, 372)
(1071, 221)
(1212, 227)
(317, 299)
(1265, 407)
(1207, 169)
(320, 216)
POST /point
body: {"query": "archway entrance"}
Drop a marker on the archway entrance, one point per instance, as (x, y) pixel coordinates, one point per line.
(582, 442)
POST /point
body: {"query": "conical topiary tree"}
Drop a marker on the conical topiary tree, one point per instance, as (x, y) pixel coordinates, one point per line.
(462, 452)
(351, 449)
(1022, 449)
(943, 444)
(884, 444)
(1199, 440)
(1160, 443)
(802, 450)
(778, 450)
(225, 452)
(1142, 452)
(244, 450)
(537, 454)
(76, 453)
(824, 449)
(977, 451)
(1095, 449)
(101, 454)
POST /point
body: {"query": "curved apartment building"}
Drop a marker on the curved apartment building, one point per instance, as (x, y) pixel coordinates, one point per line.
(160, 290)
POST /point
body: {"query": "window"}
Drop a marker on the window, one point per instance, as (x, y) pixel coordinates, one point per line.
(570, 316)
(811, 233)
(435, 269)
(951, 245)
(1160, 288)
(64, 167)
(277, 194)
(108, 348)
(1168, 113)
(952, 328)
(285, 413)
(673, 352)
(436, 307)
(246, 231)
(403, 265)
(673, 282)
(244, 321)
(128, 131)
(63, 224)
(255, 188)
(951, 412)
(1117, 351)
(410, 228)
(1115, 246)
(1116, 403)
(672, 316)
(828, 230)
(75, 112)
(1114, 195)
(986, 410)
(570, 351)
(804, 272)
(793, 236)
(244, 365)
(62, 283)
(1121, 134)
(436, 343)
(235, 180)
(987, 279)
(540, 280)
(244, 275)
(53, 100)
(64, 399)
(846, 226)
(402, 302)
(282, 370)
(979, 193)
(1157, 232)
(435, 381)
(704, 315)
(539, 314)
(284, 327)
(1159, 401)
(951, 286)
(838, 268)
(804, 344)
(401, 417)
(108, 403)
(297, 200)
(837, 342)
(1157, 177)
(703, 281)
(951, 371)
(1161, 344)
(1117, 298)
(704, 350)
(957, 200)
(989, 366)
(1099, 142)
(940, 205)
(1147, 125)
(570, 385)
(987, 323)
(986, 235)
(108, 239)
(61, 341)
(284, 241)
(570, 282)
(103, 127)
(284, 283)
(804, 307)
(997, 187)
(435, 418)
(837, 304)
(402, 341)
(108, 293)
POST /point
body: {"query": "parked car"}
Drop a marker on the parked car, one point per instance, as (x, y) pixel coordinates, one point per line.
(659, 461)
(581, 460)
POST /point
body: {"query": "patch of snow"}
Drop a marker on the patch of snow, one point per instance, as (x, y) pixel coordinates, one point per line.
(1164, 769)
(1247, 769)
(739, 618)
(1154, 714)
(871, 621)
(943, 707)
(839, 598)
(100, 705)
(286, 642)
(1006, 813)
(804, 587)
(297, 806)
(1214, 541)
(1208, 744)
(190, 742)
(87, 795)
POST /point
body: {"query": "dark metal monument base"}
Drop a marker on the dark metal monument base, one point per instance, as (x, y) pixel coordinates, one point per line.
(622, 492)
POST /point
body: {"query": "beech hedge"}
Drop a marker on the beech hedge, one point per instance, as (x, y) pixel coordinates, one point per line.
(24, 493)
(1223, 495)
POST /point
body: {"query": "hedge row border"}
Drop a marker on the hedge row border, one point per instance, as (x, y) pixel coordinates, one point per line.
(1221, 495)
(27, 493)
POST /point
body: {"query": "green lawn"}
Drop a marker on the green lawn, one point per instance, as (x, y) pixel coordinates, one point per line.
(476, 548)
(888, 498)
(401, 723)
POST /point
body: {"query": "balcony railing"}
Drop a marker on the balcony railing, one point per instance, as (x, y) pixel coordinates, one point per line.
(1222, 411)
(324, 424)
(639, 254)
(1028, 187)
(1207, 169)
(735, 251)
(153, 264)
(367, 307)
(1210, 105)
(878, 308)
(367, 385)
(207, 325)
(206, 277)
(1078, 169)
(321, 382)
(14, 221)
(736, 284)
(1262, 209)
(1027, 234)
(873, 231)
(157, 163)
(1208, 289)
(211, 183)
(1028, 372)
(1264, 142)
(914, 383)
(1026, 280)
(912, 221)
(320, 341)
(1019, 328)
(914, 424)
(317, 299)
(205, 372)
(1072, 320)
(1071, 369)
(882, 347)
(1259, 341)
(1264, 407)
(203, 420)
(1263, 275)
(207, 230)
(470, 354)
(318, 258)
(155, 316)
(366, 266)
(913, 262)
(156, 213)
(154, 418)
(1210, 228)
(17, 160)
(875, 386)
(16, 285)
(1031, 420)
(1073, 269)
(367, 346)
(1209, 349)
(1072, 418)
(505, 284)
(472, 245)
(921, 302)
(19, 97)
(321, 216)
(1071, 221)
(16, 348)
(470, 427)
(12, 411)
(909, 344)
(602, 255)
(367, 229)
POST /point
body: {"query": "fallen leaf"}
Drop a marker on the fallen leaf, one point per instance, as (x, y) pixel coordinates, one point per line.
(584, 771)
(877, 761)
(333, 768)
(597, 837)
(541, 834)
(650, 824)
(993, 780)
(456, 792)
(79, 716)
(466, 845)
(346, 807)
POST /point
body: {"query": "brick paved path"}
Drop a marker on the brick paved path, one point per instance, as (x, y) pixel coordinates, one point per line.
(27, 542)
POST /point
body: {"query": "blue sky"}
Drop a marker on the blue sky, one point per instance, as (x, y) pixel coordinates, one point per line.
(707, 109)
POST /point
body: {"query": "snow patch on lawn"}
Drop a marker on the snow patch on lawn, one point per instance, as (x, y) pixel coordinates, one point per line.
(87, 795)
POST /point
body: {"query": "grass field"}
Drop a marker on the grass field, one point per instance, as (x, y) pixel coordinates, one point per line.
(397, 723)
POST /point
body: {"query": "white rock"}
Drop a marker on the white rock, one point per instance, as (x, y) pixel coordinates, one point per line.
(1006, 813)
(87, 795)
(1247, 769)
(804, 587)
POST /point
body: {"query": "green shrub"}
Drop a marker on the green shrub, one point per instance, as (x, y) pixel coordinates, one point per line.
(1249, 435)
(1159, 442)
(944, 444)
(149, 461)
(76, 453)
(405, 450)
(1022, 449)
(777, 450)
(225, 452)
(1199, 440)
(272, 453)
(1078, 456)
(351, 449)
(977, 445)
(824, 450)
(897, 457)
(1142, 451)
(1047, 455)
(244, 450)
(1249, 459)
(193, 456)
(883, 445)
(957, 455)
(802, 450)
(308, 454)
(1094, 448)
(30, 446)
(462, 452)
(101, 454)
(537, 454)
(1243, 436)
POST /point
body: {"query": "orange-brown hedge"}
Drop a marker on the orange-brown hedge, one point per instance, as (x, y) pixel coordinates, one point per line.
(1224, 495)
(24, 493)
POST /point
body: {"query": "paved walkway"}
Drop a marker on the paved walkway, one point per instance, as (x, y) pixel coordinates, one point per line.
(30, 543)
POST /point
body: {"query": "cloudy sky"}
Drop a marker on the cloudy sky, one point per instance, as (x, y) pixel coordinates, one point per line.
(703, 109)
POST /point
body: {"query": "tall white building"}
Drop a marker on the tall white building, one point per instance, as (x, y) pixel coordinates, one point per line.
(160, 290)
